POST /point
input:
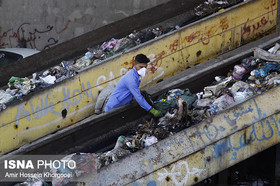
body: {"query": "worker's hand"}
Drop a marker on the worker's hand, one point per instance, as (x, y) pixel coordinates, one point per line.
(155, 112)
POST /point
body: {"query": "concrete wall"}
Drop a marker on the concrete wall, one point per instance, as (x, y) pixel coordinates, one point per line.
(43, 24)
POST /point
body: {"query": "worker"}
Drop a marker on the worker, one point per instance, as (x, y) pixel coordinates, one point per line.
(128, 87)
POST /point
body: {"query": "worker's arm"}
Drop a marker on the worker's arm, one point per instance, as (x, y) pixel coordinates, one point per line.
(138, 96)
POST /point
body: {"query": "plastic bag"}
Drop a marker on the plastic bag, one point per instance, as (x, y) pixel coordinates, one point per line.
(241, 91)
(5, 97)
(238, 72)
(150, 140)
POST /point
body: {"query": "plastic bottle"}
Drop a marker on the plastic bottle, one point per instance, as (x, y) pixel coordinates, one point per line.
(121, 140)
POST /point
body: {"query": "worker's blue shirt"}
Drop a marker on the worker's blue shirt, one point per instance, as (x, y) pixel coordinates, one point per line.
(125, 90)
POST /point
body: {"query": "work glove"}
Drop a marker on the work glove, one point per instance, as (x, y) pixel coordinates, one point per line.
(155, 112)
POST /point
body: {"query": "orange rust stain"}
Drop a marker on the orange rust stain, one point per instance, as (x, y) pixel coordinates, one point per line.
(152, 69)
(157, 63)
(159, 58)
(204, 40)
(174, 46)
(203, 36)
(211, 31)
(128, 64)
(191, 37)
(270, 5)
(224, 23)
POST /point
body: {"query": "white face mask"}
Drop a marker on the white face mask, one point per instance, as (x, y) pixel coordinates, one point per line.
(142, 72)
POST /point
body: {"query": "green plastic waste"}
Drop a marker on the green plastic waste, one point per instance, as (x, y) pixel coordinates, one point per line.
(166, 100)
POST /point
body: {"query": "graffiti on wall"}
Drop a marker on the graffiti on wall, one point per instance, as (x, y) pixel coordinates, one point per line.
(25, 36)
(263, 131)
(61, 24)
(258, 132)
(28, 35)
(256, 26)
(46, 107)
(208, 31)
(178, 176)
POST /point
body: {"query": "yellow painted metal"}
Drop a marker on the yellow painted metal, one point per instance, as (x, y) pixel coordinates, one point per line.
(218, 156)
(43, 112)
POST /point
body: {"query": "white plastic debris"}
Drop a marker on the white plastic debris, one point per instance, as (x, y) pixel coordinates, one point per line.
(271, 55)
(214, 90)
(48, 79)
(150, 140)
(4, 97)
(241, 91)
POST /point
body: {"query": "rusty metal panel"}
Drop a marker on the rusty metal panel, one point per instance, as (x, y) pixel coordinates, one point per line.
(247, 122)
(72, 100)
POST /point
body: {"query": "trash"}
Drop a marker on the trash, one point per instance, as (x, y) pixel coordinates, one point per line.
(238, 72)
(32, 181)
(49, 80)
(120, 142)
(144, 36)
(47, 72)
(97, 52)
(108, 46)
(215, 90)
(223, 102)
(274, 50)
(84, 61)
(150, 140)
(174, 93)
(212, 6)
(273, 80)
(15, 80)
(215, 2)
(249, 62)
(24, 85)
(123, 45)
(86, 163)
(2, 107)
(169, 99)
(241, 91)
(264, 69)
(61, 79)
(12, 92)
(5, 97)
(267, 56)
(203, 102)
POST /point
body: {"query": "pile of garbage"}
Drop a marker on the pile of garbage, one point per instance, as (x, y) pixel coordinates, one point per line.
(114, 46)
(211, 6)
(182, 109)
(18, 87)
